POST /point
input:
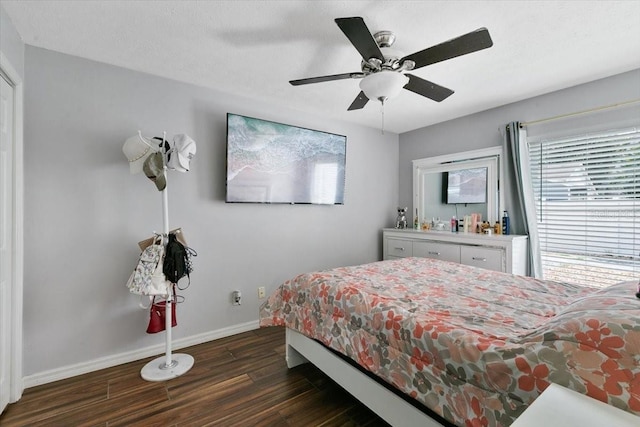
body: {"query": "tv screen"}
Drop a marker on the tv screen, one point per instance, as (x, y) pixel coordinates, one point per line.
(466, 186)
(269, 162)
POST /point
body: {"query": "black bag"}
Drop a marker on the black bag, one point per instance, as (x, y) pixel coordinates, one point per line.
(177, 262)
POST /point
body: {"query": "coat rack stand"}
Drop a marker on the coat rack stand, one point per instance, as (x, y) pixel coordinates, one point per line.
(169, 366)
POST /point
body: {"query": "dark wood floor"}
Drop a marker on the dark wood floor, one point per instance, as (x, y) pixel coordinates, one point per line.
(241, 380)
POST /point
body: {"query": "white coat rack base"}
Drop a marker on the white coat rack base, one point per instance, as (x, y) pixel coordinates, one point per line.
(159, 370)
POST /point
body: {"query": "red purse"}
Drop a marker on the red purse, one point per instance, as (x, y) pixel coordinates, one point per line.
(157, 316)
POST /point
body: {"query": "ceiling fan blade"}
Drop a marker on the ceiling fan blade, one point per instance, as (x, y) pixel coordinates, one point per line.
(360, 37)
(320, 79)
(358, 103)
(426, 88)
(468, 43)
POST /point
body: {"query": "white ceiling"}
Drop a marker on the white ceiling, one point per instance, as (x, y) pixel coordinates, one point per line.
(253, 48)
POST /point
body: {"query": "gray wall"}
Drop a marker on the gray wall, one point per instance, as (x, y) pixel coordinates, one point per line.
(85, 213)
(10, 43)
(486, 129)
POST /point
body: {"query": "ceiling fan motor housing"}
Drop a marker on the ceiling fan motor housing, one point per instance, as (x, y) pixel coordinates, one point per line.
(385, 40)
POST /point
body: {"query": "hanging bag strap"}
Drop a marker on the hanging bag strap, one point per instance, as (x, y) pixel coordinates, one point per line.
(141, 303)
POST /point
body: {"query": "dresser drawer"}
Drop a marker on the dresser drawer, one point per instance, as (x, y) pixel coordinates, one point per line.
(399, 248)
(499, 253)
(489, 258)
(437, 250)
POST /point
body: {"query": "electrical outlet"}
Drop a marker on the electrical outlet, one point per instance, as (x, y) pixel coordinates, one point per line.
(236, 298)
(261, 292)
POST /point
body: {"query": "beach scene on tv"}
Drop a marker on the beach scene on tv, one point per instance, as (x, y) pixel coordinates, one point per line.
(269, 162)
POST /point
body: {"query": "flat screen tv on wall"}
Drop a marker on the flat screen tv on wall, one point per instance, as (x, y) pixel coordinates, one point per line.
(465, 186)
(269, 162)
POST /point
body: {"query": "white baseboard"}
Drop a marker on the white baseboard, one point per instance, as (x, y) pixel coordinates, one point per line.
(131, 356)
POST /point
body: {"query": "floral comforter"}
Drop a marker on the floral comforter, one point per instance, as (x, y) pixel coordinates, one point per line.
(473, 345)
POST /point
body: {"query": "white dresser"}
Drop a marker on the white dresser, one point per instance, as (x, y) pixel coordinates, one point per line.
(495, 252)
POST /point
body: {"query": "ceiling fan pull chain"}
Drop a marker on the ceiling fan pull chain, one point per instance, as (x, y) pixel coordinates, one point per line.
(382, 111)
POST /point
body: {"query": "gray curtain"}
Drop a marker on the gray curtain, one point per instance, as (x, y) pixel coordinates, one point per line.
(520, 198)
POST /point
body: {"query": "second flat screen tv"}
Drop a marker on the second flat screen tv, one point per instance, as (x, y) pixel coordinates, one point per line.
(466, 186)
(269, 162)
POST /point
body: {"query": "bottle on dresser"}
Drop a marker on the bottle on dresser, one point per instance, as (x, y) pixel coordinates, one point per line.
(506, 226)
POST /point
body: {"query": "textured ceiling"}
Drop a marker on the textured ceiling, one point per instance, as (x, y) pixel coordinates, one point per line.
(253, 48)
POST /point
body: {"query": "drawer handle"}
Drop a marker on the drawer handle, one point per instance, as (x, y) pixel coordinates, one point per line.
(399, 249)
(434, 253)
(477, 258)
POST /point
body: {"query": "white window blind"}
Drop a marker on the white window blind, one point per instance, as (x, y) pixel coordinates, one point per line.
(587, 195)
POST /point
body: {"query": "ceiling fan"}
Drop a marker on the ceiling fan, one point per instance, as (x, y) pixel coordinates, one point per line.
(383, 69)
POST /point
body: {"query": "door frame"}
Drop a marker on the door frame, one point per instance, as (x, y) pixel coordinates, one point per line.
(15, 329)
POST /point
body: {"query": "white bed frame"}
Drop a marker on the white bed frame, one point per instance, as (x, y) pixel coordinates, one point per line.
(390, 407)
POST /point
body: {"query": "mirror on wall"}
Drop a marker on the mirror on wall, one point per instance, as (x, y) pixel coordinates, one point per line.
(457, 185)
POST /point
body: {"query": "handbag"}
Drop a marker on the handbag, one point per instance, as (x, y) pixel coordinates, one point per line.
(148, 278)
(159, 285)
(157, 316)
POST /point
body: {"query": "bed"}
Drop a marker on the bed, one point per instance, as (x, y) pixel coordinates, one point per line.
(472, 346)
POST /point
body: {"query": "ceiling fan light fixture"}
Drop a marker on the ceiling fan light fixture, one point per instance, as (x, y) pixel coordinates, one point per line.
(383, 85)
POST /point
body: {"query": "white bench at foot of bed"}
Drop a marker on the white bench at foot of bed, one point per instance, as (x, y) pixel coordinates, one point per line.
(386, 404)
(559, 406)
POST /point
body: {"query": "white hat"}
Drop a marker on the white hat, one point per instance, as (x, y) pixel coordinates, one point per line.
(181, 153)
(137, 149)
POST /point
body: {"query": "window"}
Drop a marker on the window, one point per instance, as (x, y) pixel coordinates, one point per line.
(587, 195)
